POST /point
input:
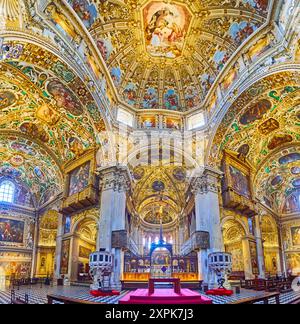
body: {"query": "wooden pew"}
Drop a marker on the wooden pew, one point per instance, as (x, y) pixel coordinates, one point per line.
(265, 298)
(68, 301)
(18, 300)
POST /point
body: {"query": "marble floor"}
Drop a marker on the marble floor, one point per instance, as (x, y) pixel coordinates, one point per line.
(38, 295)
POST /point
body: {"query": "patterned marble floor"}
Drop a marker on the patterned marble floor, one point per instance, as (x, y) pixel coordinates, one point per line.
(38, 295)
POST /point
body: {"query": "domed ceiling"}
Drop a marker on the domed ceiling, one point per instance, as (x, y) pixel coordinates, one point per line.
(167, 54)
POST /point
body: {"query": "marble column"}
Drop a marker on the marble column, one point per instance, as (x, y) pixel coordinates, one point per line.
(114, 183)
(58, 250)
(35, 248)
(207, 206)
(73, 262)
(260, 248)
(247, 258)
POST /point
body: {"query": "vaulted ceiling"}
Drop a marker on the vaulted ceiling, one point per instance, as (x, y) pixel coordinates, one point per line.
(167, 55)
(263, 124)
(47, 117)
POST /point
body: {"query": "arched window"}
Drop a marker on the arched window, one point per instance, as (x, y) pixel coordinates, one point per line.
(7, 191)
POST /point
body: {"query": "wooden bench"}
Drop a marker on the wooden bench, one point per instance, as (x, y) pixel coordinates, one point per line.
(68, 301)
(18, 300)
(265, 298)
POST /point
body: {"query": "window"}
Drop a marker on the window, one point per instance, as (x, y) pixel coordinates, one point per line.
(7, 191)
(196, 121)
(125, 117)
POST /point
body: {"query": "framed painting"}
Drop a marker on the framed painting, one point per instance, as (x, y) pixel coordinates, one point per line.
(79, 178)
(11, 231)
(65, 255)
(237, 188)
(80, 183)
(254, 258)
(84, 252)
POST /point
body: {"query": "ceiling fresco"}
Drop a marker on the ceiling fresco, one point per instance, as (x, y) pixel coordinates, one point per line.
(50, 114)
(167, 55)
(159, 193)
(27, 162)
(263, 126)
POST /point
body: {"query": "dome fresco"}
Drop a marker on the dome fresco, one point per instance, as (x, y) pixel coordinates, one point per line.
(164, 134)
(167, 55)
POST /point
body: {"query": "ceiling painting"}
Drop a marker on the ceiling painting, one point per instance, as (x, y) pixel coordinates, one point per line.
(166, 26)
(140, 41)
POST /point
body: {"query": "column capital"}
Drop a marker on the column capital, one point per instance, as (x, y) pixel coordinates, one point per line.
(116, 178)
(207, 182)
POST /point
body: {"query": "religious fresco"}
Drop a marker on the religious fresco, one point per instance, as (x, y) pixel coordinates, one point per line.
(64, 98)
(192, 99)
(171, 100)
(279, 140)
(221, 58)
(65, 253)
(166, 26)
(166, 29)
(105, 47)
(61, 22)
(293, 263)
(84, 252)
(67, 224)
(150, 99)
(148, 122)
(256, 112)
(85, 10)
(130, 94)
(173, 123)
(292, 203)
(11, 231)
(295, 232)
(236, 250)
(116, 75)
(7, 99)
(260, 5)
(79, 179)
(241, 31)
(35, 131)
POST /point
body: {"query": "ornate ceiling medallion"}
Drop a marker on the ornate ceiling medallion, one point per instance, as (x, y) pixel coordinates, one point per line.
(166, 26)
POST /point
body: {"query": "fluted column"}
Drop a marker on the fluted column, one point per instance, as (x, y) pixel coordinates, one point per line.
(114, 182)
(205, 189)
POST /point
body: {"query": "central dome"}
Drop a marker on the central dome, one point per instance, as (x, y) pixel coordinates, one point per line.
(168, 54)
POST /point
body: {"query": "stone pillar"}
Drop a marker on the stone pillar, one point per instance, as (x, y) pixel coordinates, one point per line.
(260, 248)
(35, 247)
(205, 189)
(58, 250)
(247, 258)
(114, 183)
(73, 262)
